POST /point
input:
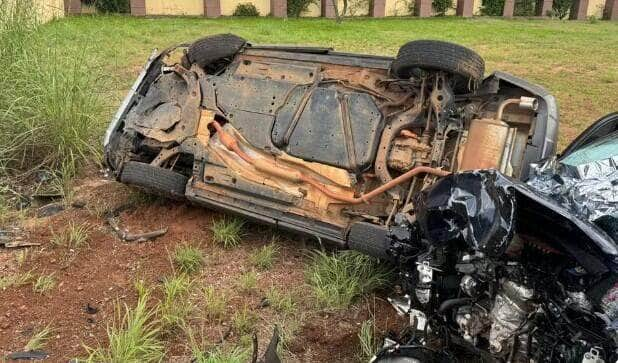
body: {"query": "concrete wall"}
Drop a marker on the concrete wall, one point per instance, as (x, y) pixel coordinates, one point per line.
(175, 7)
(228, 6)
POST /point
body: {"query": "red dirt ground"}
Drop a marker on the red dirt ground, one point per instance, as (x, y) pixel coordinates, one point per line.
(105, 271)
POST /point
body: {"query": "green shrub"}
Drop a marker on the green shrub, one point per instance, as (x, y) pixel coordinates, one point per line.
(492, 7)
(297, 7)
(246, 9)
(112, 6)
(525, 8)
(561, 8)
(441, 6)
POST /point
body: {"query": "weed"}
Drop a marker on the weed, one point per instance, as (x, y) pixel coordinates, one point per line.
(201, 354)
(188, 259)
(39, 339)
(288, 330)
(141, 289)
(281, 301)
(16, 280)
(100, 208)
(51, 113)
(21, 257)
(133, 336)
(265, 256)
(227, 231)
(73, 236)
(339, 279)
(175, 307)
(215, 302)
(218, 355)
(247, 281)
(368, 340)
(244, 320)
(44, 283)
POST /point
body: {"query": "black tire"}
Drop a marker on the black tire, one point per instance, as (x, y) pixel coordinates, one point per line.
(212, 49)
(464, 63)
(153, 178)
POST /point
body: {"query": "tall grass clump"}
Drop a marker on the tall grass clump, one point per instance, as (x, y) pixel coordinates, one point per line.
(50, 109)
(134, 335)
(339, 279)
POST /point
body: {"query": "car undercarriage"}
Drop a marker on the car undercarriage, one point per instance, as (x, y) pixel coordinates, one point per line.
(418, 160)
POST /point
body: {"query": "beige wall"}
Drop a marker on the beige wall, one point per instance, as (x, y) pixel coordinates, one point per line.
(54, 8)
(314, 10)
(397, 7)
(595, 7)
(400, 7)
(228, 6)
(50, 9)
(175, 7)
(356, 7)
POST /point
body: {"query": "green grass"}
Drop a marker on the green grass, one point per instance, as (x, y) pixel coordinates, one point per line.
(39, 340)
(282, 302)
(44, 284)
(133, 336)
(368, 340)
(188, 259)
(73, 236)
(16, 280)
(219, 355)
(247, 282)
(264, 257)
(574, 60)
(51, 102)
(175, 306)
(227, 231)
(215, 303)
(21, 257)
(244, 320)
(339, 279)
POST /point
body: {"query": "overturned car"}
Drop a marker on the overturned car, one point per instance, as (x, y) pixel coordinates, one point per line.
(418, 160)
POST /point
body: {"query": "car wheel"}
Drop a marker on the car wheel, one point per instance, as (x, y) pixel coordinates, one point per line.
(211, 50)
(153, 178)
(465, 64)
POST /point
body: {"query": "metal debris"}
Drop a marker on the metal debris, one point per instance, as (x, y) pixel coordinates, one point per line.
(127, 236)
(28, 355)
(14, 238)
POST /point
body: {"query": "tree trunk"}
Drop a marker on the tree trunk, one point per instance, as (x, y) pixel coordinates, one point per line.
(336, 7)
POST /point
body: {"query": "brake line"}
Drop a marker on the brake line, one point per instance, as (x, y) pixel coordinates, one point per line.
(296, 176)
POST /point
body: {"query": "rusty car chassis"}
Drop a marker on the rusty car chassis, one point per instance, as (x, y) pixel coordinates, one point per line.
(419, 160)
(317, 141)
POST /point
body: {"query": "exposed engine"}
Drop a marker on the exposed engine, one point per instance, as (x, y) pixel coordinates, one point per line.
(483, 289)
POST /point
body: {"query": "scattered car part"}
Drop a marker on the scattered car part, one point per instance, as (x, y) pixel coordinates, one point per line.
(28, 355)
(126, 236)
(15, 238)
